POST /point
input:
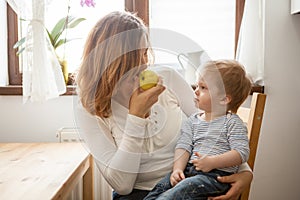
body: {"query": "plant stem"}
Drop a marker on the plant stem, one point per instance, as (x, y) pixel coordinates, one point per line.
(66, 29)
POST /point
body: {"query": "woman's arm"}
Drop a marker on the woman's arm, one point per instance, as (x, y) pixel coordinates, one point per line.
(119, 163)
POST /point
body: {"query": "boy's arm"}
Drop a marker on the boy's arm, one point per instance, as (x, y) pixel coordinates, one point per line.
(227, 159)
(180, 159)
(207, 163)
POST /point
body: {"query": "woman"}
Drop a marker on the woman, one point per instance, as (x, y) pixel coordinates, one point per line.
(130, 132)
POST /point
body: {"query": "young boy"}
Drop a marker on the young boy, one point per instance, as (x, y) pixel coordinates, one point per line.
(214, 141)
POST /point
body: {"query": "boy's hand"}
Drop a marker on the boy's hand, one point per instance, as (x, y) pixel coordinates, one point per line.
(176, 176)
(203, 163)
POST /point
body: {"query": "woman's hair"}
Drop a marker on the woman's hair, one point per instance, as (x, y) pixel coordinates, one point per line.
(115, 45)
(235, 81)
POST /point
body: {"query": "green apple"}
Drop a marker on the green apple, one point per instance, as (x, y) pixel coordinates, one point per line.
(148, 79)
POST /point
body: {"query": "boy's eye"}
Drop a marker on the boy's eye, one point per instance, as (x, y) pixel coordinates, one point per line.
(201, 87)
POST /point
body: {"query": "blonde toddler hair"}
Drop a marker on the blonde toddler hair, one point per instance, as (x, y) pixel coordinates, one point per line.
(235, 81)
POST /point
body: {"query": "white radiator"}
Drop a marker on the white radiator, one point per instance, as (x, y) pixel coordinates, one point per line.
(102, 191)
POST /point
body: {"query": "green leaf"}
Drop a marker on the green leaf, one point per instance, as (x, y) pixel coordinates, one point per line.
(23, 19)
(63, 41)
(77, 21)
(58, 29)
(55, 34)
(50, 37)
(19, 43)
(61, 26)
(20, 51)
(59, 43)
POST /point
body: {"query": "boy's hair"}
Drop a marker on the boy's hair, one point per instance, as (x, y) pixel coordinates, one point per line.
(235, 81)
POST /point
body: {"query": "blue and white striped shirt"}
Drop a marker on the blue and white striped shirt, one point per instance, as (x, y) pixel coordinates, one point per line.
(215, 137)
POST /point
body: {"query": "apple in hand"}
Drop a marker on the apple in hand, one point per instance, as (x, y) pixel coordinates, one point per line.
(148, 79)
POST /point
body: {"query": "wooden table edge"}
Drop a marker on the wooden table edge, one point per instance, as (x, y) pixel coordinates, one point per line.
(83, 171)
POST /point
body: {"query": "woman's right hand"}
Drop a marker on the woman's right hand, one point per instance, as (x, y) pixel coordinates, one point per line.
(141, 101)
(239, 182)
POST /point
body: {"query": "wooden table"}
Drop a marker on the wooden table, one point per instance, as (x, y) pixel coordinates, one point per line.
(39, 171)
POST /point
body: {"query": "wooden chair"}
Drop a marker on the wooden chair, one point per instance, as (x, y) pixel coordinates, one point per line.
(253, 118)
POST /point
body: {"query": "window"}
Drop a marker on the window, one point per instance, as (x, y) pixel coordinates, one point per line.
(73, 50)
(210, 24)
(141, 7)
(56, 10)
(199, 30)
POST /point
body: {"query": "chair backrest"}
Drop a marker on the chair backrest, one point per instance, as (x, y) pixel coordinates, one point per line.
(253, 118)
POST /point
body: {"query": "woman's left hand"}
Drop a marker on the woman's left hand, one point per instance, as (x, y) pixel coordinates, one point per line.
(239, 182)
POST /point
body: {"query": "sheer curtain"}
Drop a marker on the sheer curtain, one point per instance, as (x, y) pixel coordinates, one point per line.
(250, 50)
(42, 75)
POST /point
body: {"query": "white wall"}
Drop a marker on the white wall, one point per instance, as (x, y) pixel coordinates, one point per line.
(34, 122)
(277, 166)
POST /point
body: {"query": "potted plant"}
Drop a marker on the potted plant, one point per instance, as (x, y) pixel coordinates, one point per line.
(57, 37)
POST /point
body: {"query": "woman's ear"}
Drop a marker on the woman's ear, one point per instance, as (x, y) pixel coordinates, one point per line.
(226, 100)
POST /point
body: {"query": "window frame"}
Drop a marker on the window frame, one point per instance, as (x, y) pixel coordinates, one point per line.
(15, 77)
(140, 7)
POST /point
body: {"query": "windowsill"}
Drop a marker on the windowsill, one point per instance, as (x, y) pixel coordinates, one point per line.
(17, 90)
(71, 90)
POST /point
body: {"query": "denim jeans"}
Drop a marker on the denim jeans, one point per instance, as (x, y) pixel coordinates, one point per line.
(134, 195)
(197, 185)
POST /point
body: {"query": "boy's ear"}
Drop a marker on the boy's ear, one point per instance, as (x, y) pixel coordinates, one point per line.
(226, 100)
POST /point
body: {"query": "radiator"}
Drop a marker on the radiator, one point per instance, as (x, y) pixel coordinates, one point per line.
(102, 190)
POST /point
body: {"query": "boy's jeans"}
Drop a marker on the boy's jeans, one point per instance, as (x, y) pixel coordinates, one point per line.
(134, 195)
(197, 185)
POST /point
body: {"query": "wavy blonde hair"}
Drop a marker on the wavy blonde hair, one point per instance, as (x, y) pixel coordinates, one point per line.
(114, 46)
(235, 81)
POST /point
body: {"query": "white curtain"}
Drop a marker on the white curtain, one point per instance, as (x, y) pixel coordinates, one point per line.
(250, 50)
(42, 75)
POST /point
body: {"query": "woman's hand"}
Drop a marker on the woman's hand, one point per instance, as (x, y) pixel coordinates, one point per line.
(239, 182)
(141, 101)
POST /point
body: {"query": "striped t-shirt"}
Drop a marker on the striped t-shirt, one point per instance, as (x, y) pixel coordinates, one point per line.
(215, 137)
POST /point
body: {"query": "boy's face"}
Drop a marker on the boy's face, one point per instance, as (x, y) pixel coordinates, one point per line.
(203, 98)
(207, 93)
